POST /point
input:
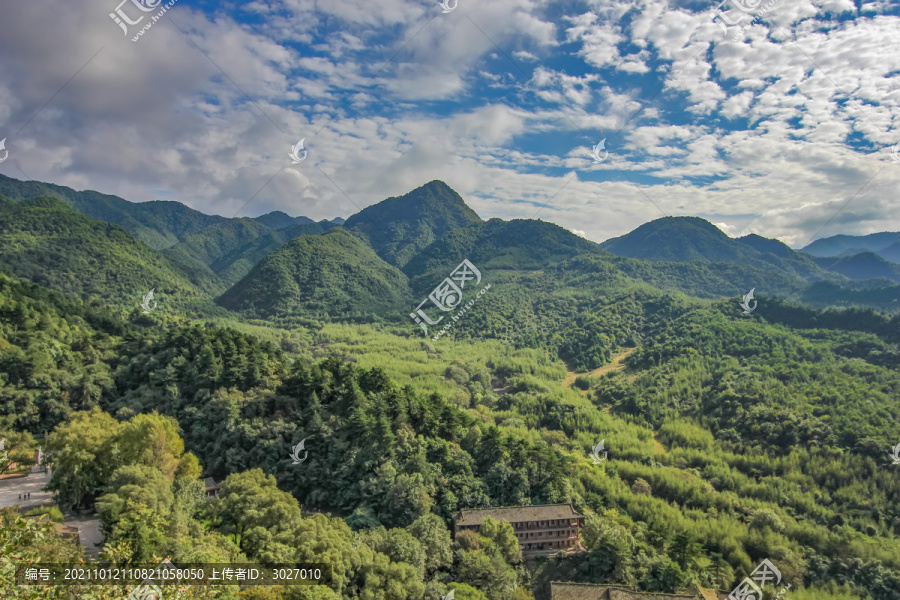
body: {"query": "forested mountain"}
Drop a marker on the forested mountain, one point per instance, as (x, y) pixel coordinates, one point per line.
(691, 239)
(280, 220)
(231, 249)
(334, 273)
(157, 224)
(521, 246)
(398, 228)
(48, 242)
(678, 239)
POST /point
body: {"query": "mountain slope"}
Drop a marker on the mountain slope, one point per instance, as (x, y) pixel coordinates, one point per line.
(497, 245)
(157, 224)
(50, 243)
(399, 227)
(334, 273)
(234, 265)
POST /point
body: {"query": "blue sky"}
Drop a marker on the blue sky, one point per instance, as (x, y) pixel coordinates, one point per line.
(781, 126)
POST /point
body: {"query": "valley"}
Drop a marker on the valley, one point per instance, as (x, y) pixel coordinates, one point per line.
(728, 438)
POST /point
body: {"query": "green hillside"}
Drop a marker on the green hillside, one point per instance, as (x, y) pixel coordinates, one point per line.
(678, 239)
(398, 228)
(333, 274)
(497, 245)
(232, 266)
(48, 242)
(156, 224)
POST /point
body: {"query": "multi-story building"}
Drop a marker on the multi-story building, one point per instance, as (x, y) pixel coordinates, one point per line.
(541, 529)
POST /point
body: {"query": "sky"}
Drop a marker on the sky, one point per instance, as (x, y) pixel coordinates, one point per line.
(774, 117)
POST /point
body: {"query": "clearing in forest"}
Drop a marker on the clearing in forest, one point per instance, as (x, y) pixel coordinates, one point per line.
(617, 364)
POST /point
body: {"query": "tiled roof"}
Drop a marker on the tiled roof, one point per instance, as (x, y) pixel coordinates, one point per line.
(708, 594)
(591, 591)
(211, 483)
(516, 514)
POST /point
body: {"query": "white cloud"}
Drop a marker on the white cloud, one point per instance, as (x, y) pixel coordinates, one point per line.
(758, 135)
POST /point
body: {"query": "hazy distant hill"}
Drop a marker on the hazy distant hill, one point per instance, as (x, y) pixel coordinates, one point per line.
(50, 243)
(839, 244)
(399, 227)
(334, 273)
(692, 239)
(157, 224)
(864, 265)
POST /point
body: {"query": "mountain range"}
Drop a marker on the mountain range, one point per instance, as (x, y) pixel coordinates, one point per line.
(381, 259)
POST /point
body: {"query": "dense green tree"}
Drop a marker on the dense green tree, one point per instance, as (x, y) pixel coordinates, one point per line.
(431, 531)
(262, 518)
(17, 450)
(503, 538)
(83, 456)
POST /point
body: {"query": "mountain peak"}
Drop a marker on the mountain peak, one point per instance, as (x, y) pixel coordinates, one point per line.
(400, 226)
(680, 239)
(280, 220)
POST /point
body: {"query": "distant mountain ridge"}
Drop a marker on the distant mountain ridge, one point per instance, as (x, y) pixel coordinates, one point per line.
(158, 224)
(218, 249)
(885, 244)
(402, 248)
(862, 265)
(692, 239)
